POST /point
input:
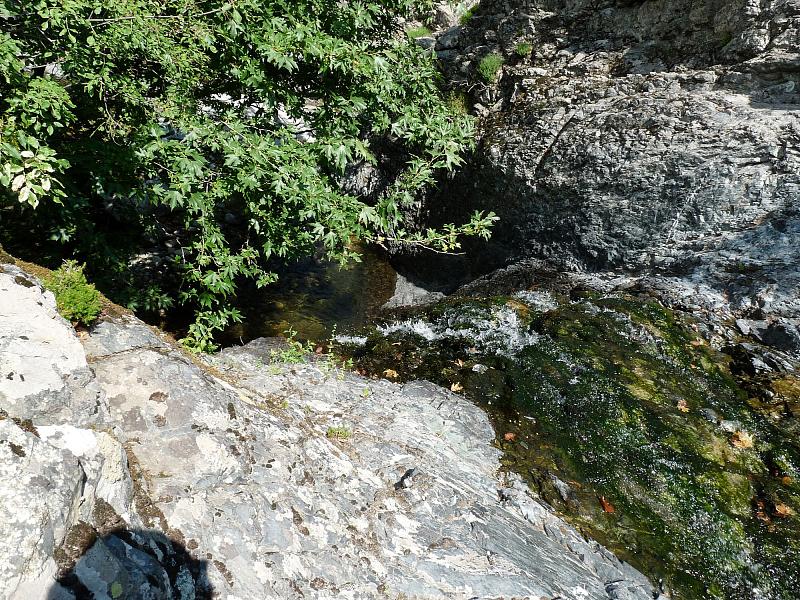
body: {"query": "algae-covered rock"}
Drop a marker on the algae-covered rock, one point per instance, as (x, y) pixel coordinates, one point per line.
(623, 416)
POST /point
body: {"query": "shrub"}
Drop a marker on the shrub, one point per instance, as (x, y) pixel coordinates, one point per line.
(523, 49)
(77, 299)
(489, 67)
(178, 129)
(458, 103)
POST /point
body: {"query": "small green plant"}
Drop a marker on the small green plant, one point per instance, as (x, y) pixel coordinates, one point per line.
(418, 32)
(458, 102)
(523, 49)
(330, 362)
(489, 66)
(468, 14)
(338, 433)
(77, 299)
(295, 351)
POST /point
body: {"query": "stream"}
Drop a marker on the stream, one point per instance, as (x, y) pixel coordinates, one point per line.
(618, 412)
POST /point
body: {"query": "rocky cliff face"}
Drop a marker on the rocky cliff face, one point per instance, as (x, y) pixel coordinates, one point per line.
(638, 136)
(129, 471)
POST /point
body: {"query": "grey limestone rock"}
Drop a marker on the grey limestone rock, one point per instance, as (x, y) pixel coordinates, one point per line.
(239, 477)
(43, 369)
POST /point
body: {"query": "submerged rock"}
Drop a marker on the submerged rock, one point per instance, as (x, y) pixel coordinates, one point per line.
(242, 477)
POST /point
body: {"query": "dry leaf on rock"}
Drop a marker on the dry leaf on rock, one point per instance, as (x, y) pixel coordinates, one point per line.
(742, 439)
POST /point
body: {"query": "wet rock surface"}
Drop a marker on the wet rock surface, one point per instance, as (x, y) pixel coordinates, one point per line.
(248, 478)
(672, 439)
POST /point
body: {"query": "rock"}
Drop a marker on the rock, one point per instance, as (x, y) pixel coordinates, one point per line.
(220, 480)
(406, 293)
(449, 39)
(654, 138)
(426, 42)
(407, 480)
(43, 370)
(783, 334)
(40, 492)
(444, 16)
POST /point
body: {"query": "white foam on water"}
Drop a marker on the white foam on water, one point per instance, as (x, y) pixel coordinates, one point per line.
(498, 329)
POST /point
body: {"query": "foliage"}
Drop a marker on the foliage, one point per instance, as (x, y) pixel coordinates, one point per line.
(458, 103)
(523, 49)
(77, 299)
(489, 66)
(468, 14)
(418, 32)
(295, 352)
(222, 127)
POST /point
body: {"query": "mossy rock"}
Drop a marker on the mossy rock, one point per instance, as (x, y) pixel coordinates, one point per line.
(624, 399)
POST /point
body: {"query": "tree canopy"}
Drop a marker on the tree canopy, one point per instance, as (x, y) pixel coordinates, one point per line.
(226, 124)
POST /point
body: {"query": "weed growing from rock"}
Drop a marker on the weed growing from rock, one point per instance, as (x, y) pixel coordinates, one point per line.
(489, 66)
(78, 301)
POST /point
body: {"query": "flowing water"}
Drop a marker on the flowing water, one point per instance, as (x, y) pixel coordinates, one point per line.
(619, 415)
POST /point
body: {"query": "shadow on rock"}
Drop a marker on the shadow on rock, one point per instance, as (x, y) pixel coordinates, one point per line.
(127, 564)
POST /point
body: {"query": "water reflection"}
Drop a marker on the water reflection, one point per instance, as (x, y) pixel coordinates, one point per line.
(312, 296)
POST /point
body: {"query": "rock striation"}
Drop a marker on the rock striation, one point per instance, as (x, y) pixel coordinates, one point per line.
(242, 477)
(655, 137)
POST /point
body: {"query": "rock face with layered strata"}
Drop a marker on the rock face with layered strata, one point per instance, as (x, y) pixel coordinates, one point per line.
(247, 478)
(638, 136)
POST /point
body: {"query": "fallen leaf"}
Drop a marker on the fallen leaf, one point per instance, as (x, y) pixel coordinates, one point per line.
(786, 480)
(742, 439)
(456, 387)
(682, 406)
(760, 514)
(607, 506)
(510, 436)
(391, 374)
(782, 510)
(698, 342)
(459, 362)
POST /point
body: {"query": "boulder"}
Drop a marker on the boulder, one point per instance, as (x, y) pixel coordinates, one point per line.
(237, 476)
(651, 137)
